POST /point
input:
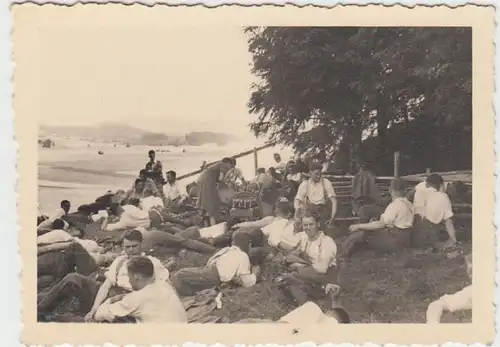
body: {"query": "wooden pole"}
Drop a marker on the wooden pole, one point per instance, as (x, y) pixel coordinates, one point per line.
(255, 160)
(428, 171)
(397, 158)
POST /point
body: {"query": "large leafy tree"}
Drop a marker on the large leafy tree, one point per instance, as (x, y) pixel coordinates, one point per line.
(327, 88)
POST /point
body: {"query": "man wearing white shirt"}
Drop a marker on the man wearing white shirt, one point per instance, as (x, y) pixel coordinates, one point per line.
(313, 264)
(230, 264)
(315, 194)
(392, 232)
(46, 225)
(90, 293)
(435, 215)
(461, 300)
(131, 216)
(174, 192)
(150, 301)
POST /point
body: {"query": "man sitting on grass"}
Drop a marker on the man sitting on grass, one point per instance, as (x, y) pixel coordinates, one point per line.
(461, 300)
(150, 301)
(229, 265)
(313, 264)
(392, 232)
(434, 216)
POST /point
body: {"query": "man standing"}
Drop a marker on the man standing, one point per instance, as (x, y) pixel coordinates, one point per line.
(154, 169)
(314, 194)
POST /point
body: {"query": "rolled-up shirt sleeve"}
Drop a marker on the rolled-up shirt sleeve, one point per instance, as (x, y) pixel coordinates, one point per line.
(301, 194)
(390, 214)
(127, 306)
(161, 272)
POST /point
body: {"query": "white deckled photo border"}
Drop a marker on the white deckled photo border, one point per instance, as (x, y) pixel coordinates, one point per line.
(11, 315)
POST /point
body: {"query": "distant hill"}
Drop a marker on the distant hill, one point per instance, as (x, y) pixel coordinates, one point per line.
(114, 132)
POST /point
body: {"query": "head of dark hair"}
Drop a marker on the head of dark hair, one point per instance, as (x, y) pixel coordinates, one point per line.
(142, 266)
(435, 180)
(172, 172)
(261, 170)
(58, 224)
(137, 181)
(398, 185)
(242, 241)
(143, 172)
(132, 235)
(113, 208)
(134, 201)
(151, 151)
(227, 160)
(284, 207)
(64, 203)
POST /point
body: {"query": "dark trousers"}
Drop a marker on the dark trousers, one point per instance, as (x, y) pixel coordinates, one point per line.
(306, 284)
(189, 281)
(388, 240)
(154, 239)
(53, 266)
(425, 233)
(159, 216)
(367, 211)
(73, 286)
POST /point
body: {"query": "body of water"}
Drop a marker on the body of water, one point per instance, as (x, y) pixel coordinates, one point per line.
(80, 174)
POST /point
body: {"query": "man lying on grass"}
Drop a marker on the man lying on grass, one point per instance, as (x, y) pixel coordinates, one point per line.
(313, 265)
(392, 232)
(88, 289)
(229, 265)
(308, 313)
(461, 300)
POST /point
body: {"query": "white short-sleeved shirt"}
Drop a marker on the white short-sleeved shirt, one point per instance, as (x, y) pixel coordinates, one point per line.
(155, 303)
(461, 300)
(174, 190)
(90, 245)
(121, 279)
(438, 207)
(282, 234)
(54, 236)
(399, 213)
(150, 202)
(132, 217)
(315, 192)
(230, 262)
(420, 198)
(308, 313)
(322, 252)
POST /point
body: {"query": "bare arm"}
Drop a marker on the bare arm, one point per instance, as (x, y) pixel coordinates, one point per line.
(450, 229)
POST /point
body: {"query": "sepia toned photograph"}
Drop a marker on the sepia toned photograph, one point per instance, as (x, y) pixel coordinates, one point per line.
(241, 174)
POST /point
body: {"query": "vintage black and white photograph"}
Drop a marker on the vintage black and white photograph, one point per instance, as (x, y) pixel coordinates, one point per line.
(254, 173)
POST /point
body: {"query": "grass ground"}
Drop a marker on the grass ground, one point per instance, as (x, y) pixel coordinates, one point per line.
(375, 289)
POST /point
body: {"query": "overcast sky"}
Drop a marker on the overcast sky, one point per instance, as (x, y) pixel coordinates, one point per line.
(166, 79)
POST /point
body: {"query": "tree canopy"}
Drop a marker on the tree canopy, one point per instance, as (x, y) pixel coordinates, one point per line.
(366, 92)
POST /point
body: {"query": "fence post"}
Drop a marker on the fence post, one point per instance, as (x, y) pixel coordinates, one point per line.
(255, 160)
(396, 164)
(428, 171)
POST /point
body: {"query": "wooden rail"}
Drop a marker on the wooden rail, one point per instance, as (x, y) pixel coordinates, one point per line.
(239, 155)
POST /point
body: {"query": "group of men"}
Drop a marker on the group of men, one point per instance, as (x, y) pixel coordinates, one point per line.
(140, 287)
